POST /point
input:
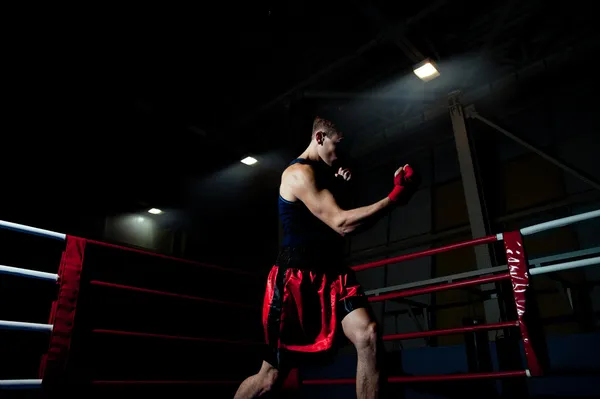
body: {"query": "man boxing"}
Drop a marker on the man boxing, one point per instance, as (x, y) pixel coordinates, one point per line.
(310, 293)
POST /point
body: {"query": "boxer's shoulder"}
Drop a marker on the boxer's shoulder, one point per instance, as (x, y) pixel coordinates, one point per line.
(298, 174)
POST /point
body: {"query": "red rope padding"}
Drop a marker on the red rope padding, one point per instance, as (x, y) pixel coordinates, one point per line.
(172, 294)
(425, 378)
(62, 314)
(427, 252)
(519, 275)
(172, 258)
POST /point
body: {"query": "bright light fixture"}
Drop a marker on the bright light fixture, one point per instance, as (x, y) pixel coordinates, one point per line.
(249, 161)
(155, 211)
(426, 71)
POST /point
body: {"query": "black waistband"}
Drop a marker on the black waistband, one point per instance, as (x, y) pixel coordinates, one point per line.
(310, 258)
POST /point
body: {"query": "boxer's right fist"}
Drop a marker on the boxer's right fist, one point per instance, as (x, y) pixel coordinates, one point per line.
(405, 183)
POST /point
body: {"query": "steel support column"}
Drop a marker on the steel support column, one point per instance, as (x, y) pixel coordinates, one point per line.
(477, 218)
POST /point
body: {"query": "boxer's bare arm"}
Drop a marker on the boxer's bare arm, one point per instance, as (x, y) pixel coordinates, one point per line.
(299, 182)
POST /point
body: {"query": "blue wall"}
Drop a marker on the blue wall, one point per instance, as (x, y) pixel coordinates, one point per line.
(568, 354)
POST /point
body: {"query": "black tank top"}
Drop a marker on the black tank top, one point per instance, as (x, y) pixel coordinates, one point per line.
(303, 229)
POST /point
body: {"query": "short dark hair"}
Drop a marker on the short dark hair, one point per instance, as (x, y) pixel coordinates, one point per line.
(325, 126)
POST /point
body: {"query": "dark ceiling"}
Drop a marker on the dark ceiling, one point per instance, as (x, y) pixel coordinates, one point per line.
(114, 108)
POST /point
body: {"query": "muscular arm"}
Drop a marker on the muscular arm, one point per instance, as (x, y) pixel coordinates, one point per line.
(322, 204)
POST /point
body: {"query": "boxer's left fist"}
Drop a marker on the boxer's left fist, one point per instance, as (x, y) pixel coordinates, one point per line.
(344, 173)
(406, 182)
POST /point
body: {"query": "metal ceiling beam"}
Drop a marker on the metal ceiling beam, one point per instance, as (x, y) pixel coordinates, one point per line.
(396, 35)
(338, 95)
(375, 81)
(395, 32)
(490, 38)
(334, 66)
(472, 113)
(471, 96)
(300, 86)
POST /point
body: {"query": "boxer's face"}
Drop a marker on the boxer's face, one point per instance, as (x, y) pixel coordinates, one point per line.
(327, 146)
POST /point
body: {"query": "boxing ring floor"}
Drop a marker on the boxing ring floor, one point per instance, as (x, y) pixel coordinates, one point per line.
(62, 326)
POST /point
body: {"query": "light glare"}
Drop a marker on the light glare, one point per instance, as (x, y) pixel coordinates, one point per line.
(426, 71)
(249, 161)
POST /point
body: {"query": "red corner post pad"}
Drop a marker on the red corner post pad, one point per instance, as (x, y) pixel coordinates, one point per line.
(62, 314)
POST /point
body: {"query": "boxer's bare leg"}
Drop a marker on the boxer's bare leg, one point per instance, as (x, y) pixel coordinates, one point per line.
(361, 330)
(267, 380)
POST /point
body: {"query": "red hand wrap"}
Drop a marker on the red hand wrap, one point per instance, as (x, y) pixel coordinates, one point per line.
(401, 182)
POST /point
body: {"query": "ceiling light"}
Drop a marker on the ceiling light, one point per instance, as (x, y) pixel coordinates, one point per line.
(155, 211)
(249, 161)
(426, 70)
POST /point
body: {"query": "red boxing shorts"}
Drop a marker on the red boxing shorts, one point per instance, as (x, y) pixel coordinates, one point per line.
(303, 309)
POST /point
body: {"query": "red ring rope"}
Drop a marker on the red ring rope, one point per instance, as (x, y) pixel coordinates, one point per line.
(173, 337)
(164, 382)
(382, 297)
(427, 252)
(338, 381)
(448, 331)
(425, 378)
(171, 258)
(171, 294)
(440, 287)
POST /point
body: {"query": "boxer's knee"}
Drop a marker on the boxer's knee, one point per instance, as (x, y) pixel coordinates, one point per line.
(366, 336)
(268, 379)
(361, 329)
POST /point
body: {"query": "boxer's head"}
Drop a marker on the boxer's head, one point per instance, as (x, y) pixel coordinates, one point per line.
(327, 138)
